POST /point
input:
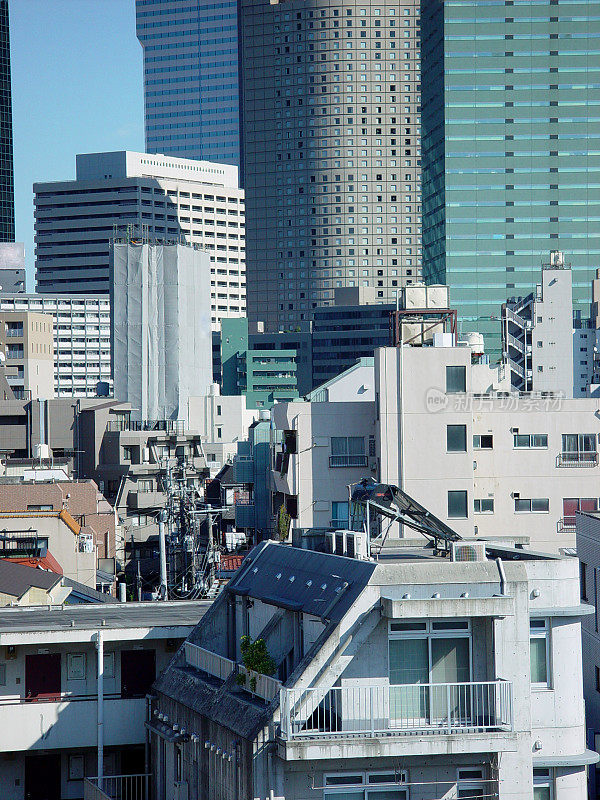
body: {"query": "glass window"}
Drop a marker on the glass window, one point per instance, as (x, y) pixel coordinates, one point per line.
(538, 649)
(483, 441)
(456, 379)
(536, 440)
(456, 438)
(542, 784)
(485, 505)
(457, 505)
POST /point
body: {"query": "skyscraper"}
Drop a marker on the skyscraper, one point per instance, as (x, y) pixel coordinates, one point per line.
(191, 90)
(330, 151)
(7, 186)
(511, 150)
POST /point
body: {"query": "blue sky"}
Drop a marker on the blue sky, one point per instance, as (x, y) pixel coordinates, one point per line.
(77, 88)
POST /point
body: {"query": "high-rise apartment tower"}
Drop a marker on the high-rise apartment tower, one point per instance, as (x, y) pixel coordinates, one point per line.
(7, 185)
(191, 89)
(511, 150)
(330, 151)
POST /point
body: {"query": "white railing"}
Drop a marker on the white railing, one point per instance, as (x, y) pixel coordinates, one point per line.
(212, 663)
(577, 459)
(260, 685)
(117, 787)
(400, 709)
(348, 461)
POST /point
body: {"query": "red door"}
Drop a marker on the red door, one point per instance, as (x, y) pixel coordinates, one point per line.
(42, 676)
(138, 671)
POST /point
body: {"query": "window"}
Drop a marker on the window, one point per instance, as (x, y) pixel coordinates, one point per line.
(571, 505)
(542, 784)
(347, 451)
(127, 452)
(579, 448)
(456, 379)
(484, 441)
(535, 440)
(535, 505)
(339, 514)
(456, 438)
(470, 783)
(2, 674)
(355, 786)
(144, 484)
(40, 507)
(76, 667)
(484, 506)
(583, 580)
(538, 651)
(457, 505)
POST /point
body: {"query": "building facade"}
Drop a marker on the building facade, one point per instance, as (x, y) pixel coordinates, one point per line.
(7, 182)
(191, 85)
(330, 151)
(27, 344)
(161, 326)
(159, 197)
(507, 175)
(417, 677)
(81, 326)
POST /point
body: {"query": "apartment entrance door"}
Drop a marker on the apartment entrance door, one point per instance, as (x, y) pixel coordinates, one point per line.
(42, 777)
(138, 671)
(42, 676)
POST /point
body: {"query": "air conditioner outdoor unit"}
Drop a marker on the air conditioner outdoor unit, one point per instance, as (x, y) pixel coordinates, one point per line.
(468, 551)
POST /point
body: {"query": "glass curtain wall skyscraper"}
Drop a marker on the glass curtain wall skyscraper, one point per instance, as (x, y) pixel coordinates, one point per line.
(330, 151)
(191, 88)
(511, 150)
(7, 187)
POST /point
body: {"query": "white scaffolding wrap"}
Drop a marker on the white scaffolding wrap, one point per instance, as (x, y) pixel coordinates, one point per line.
(162, 340)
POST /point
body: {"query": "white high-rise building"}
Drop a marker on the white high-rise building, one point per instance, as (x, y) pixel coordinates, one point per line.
(162, 339)
(81, 339)
(161, 197)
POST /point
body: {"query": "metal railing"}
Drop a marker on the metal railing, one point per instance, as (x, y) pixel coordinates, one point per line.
(577, 459)
(161, 425)
(399, 709)
(212, 663)
(566, 525)
(348, 461)
(117, 787)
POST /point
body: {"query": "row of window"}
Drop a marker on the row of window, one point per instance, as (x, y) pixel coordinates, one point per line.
(572, 443)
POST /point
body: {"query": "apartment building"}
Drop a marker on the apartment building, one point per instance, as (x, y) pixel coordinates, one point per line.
(331, 151)
(588, 554)
(414, 677)
(66, 667)
(327, 443)
(81, 325)
(156, 196)
(27, 347)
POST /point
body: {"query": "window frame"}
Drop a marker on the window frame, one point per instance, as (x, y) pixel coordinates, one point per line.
(481, 500)
(541, 628)
(530, 438)
(545, 781)
(463, 431)
(477, 437)
(463, 381)
(466, 505)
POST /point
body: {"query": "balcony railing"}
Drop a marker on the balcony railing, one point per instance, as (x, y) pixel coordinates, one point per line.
(117, 787)
(340, 524)
(220, 667)
(577, 459)
(348, 461)
(566, 525)
(396, 710)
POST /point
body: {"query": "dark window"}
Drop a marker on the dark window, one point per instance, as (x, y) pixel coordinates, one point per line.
(456, 379)
(456, 438)
(457, 504)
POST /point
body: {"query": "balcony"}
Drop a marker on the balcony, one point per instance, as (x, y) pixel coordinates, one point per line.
(566, 525)
(383, 711)
(262, 686)
(70, 721)
(347, 461)
(117, 787)
(577, 459)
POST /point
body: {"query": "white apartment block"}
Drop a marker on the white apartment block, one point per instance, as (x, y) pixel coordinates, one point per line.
(81, 338)
(442, 425)
(155, 196)
(52, 695)
(412, 678)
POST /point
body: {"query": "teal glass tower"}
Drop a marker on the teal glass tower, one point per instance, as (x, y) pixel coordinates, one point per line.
(510, 150)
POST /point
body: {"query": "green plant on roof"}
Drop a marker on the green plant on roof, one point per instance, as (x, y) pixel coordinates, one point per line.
(256, 658)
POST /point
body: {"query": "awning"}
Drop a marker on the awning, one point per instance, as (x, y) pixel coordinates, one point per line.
(166, 732)
(577, 760)
(581, 610)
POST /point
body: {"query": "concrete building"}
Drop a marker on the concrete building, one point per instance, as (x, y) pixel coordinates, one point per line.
(81, 326)
(255, 513)
(588, 554)
(12, 267)
(160, 197)
(7, 182)
(51, 696)
(412, 677)
(161, 327)
(330, 151)
(27, 347)
(327, 443)
(506, 176)
(191, 86)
